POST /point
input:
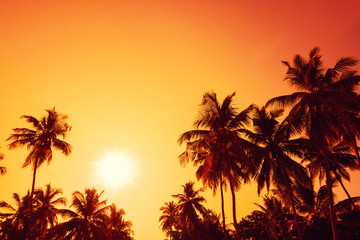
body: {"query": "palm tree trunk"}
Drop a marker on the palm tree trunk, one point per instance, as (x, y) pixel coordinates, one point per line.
(234, 209)
(223, 207)
(31, 201)
(295, 216)
(331, 203)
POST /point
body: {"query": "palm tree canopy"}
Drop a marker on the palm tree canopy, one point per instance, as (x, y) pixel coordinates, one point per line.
(215, 137)
(86, 222)
(275, 149)
(325, 98)
(189, 204)
(169, 217)
(46, 202)
(118, 227)
(42, 137)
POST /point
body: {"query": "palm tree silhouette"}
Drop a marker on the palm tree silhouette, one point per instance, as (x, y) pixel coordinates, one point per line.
(169, 219)
(273, 156)
(277, 217)
(215, 146)
(40, 140)
(15, 219)
(189, 205)
(324, 107)
(46, 211)
(340, 158)
(86, 222)
(117, 227)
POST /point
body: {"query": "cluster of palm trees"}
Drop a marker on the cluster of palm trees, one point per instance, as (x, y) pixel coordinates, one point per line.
(90, 218)
(36, 215)
(274, 220)
(187, 218)
(317, 138)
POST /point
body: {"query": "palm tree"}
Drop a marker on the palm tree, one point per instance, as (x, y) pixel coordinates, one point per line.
(215, 146)
(340, 158)
(40, 140)
(169, 219)
(273, 155)
(86, 222)
(117, 227)
(278, 217)
(211, 226)
(324, 107)
(272, 221)
(16, 219)
(313, 206)
(189, 205)
(46, 210)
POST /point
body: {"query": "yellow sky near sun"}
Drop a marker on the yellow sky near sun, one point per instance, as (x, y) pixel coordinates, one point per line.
(130, 75)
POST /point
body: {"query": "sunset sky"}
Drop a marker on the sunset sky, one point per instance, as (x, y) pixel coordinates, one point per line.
(131, 74)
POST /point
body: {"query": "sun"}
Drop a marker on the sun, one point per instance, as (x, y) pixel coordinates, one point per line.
(116, 169)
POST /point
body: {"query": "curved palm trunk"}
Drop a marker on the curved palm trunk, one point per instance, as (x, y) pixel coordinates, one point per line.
(31, 201)
(331, 204)
(223, 207)
(345, 190)
(234, 209)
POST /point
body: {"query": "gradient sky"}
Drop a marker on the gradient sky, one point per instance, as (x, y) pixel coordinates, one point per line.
(130, 75)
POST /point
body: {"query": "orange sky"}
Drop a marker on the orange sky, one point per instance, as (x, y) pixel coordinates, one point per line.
(130, 75)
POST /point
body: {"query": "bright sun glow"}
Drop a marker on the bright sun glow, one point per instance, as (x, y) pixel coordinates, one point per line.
(116, 169)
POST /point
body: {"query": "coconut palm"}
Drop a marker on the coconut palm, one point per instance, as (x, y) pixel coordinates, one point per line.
(325, 108)
(272, 221)
(41, 140)
(211, 227)
(16, 219)
(117, 227)
(86, 222)
(340, 157)
(189, 205)
(278, 217)
(215, 146)
(273, 157)
(46, 211)
(169, 219)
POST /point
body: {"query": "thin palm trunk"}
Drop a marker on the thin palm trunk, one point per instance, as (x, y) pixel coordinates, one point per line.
(223, 207)
(295, 216)
(345, 190)
(331, 204)
(31, 201)
(234, 209)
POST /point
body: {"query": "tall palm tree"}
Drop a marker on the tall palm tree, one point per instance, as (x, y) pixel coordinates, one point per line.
(46, 211)
(189, 205)
(273, 157)
(169, 219)
(215, 146)
(324, 107)
(40, 140)
(86, 222)
(117, 227)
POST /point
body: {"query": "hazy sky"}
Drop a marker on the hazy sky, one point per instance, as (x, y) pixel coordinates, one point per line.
(130, 75)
